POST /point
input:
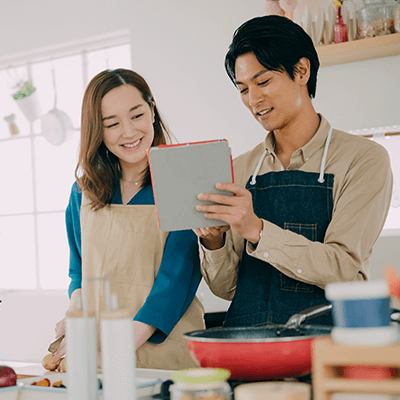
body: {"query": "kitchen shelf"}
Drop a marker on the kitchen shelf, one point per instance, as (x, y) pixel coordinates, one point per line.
(382, 386)
(359, 50)
(329, 358)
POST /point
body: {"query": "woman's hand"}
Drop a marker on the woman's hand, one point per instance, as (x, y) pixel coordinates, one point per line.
(236, 210)
(60, 326)
(213, 237)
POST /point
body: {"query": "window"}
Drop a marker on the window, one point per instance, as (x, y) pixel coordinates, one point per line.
(389, 137)
(36, 176)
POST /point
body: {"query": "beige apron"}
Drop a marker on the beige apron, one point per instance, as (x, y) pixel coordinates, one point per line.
(124, 244)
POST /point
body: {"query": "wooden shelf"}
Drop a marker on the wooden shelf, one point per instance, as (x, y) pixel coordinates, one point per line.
(359, 50)
(383, 386)
(330, 358)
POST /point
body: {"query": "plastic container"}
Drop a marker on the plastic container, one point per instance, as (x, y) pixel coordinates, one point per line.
(375, 18)
(201, 383)
(361, 312)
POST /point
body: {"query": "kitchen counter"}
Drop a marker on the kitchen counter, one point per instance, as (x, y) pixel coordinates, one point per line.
(148, 381)
(25, 369)
(29, 369)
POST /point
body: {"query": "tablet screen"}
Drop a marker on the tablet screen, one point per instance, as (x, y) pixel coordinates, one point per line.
(179, 173)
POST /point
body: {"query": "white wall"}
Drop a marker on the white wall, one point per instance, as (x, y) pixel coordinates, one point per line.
(27, 323)
(360, 95)
(179, 47)
(27, 25)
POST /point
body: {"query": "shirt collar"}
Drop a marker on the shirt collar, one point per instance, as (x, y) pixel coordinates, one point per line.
(317, 141)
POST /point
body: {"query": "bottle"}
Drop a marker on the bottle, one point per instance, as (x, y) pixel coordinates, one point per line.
(340, 27)
(80, 334)
(201, 383)
(117, 353)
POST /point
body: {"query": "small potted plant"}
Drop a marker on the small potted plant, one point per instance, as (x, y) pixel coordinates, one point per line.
(27, 100)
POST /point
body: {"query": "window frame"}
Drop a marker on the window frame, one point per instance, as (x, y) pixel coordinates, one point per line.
(27, 59)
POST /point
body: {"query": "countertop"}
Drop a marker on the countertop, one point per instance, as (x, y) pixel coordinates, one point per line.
(29, 369)
(149, 382)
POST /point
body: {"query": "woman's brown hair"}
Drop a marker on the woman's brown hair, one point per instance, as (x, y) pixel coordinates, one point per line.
(98, 171)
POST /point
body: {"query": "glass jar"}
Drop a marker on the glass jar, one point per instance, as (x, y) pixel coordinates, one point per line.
(375, 18)
(397, 17)
(201, 384)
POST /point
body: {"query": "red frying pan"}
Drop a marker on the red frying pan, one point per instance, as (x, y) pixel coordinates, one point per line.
(261, 352)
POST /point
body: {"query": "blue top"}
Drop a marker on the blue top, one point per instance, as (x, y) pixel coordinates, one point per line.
(178, 277)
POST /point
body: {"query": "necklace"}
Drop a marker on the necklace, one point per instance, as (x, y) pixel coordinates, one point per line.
(135, 183)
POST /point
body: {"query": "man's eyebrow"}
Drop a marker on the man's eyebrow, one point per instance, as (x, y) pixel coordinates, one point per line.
(263, 71)
(114, 116)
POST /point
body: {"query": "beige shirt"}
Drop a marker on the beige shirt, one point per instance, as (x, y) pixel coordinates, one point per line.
(361, 199)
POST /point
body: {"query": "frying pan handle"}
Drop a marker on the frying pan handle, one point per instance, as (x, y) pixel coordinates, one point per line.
(307, 314)
(316, 311)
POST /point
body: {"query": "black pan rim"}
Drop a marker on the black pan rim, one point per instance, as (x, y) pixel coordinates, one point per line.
(192, 336)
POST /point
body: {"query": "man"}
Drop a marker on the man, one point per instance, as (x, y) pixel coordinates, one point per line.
(309, 202)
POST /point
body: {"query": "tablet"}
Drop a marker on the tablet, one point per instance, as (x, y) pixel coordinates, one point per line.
(179, 172)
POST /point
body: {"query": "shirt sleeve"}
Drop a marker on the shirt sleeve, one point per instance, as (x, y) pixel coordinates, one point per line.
(174, 287)
(73, 226)
(358, 217)
(220, 267)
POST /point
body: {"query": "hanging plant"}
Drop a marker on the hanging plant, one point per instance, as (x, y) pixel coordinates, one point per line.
(27, 100)
(24, 91)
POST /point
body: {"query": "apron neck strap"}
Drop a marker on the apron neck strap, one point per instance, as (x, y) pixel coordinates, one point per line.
(322, 168)
(253, 178)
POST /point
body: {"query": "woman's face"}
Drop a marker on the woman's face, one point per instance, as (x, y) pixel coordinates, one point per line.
(128, 124)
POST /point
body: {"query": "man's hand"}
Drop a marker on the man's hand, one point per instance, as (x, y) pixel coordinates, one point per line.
(236, 210)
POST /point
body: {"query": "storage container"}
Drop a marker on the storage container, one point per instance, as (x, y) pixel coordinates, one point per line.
(375, 18)
(201, 384)
(397, 17)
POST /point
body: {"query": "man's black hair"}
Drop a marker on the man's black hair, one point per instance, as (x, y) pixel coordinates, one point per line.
(278, 44)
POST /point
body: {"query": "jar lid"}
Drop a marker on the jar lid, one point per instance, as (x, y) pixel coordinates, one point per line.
(201, 375)
(357, 290)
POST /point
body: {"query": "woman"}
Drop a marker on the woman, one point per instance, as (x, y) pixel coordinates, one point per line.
(112, 223)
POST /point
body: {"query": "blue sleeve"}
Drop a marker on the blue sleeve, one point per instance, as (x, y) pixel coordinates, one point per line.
(175, 286)
(73, 225)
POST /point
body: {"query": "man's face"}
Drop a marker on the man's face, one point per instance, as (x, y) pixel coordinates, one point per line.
(273, 97)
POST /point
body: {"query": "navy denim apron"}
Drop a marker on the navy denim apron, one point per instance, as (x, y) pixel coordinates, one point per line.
(293, 200)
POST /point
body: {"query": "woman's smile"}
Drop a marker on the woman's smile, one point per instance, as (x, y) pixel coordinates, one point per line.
(133, 145)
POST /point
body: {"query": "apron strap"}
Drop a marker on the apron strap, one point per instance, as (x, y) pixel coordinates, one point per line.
(322, 170)
(253, 178)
